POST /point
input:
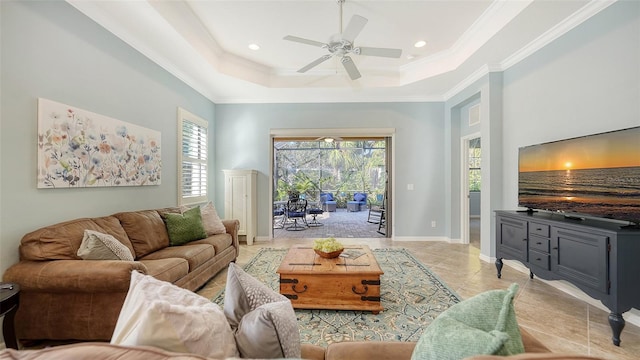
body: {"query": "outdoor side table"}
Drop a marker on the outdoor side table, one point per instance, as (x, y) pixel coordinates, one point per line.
(9, 301)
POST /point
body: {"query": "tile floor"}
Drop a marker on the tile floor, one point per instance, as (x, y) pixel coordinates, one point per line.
(339, 224)
(562, 322)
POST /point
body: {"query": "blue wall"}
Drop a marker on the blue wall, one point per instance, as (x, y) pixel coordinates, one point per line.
(243, 135)
(51, 50)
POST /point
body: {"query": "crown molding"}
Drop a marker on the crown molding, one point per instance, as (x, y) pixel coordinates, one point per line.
(215, 66)
(571, 22)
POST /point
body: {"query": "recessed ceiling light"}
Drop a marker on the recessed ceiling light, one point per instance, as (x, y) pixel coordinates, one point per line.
(254, 47)
(420, 44)
(411, 57)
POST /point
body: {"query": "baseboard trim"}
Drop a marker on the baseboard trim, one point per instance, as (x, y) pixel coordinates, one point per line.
(421, 238)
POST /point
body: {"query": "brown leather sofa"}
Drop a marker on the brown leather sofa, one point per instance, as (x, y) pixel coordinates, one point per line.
(367, 350)
(64, 297)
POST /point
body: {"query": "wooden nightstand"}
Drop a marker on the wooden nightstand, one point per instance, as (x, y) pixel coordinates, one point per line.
(9, 302)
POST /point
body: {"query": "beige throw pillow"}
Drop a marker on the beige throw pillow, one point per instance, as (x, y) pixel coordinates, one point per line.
(264, 322)
(211, 221)
(158, 313)
(98, 246)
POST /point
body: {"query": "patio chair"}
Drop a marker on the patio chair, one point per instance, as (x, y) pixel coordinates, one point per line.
(359, 199)
(376, 210)
(296, 211)
(327, 202)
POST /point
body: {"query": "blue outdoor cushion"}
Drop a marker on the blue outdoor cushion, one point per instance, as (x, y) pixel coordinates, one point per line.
(359, 197)
(326, 197)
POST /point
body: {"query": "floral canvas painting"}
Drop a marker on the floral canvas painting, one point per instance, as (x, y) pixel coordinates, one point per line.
(78, 148)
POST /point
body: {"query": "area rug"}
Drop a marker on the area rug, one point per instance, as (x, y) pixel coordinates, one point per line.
(412, 296)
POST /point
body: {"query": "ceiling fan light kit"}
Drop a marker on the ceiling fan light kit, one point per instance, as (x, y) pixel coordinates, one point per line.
(342, 44)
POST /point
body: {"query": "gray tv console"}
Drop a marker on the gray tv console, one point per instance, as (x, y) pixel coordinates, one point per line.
(599, 257)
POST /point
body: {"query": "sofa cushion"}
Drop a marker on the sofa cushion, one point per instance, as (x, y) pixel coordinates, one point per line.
(98, 246)
(482, 325)
(145, 229)
(157, 313)
(97, 351)
(185, 227)
(264, 321)
(171, 270)
(359, 197)
(61, 241)
(219, 242)
(326, 197)
(211, 221)
(195, 255)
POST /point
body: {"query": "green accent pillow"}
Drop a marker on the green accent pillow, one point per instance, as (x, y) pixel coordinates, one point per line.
(184, 227)
(482, 325)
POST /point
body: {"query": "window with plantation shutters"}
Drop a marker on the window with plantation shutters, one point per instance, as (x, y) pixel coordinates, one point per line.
(192, 157)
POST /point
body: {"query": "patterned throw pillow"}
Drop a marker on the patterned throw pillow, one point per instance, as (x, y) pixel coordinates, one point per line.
(98, 246)
(158, 313)
(211, 221)
(482, 325)
(185, 227)
(264, 321)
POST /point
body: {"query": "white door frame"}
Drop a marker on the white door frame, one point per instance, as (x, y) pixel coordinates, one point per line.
(338, 132)
(464, 186)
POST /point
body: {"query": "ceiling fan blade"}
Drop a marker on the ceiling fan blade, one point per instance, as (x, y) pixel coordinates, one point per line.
(315, 63)
(382, 52)
(304, 41)
(355, 25)
(351, 68)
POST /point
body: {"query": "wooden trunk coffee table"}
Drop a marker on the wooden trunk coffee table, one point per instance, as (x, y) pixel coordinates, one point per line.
(343, 283)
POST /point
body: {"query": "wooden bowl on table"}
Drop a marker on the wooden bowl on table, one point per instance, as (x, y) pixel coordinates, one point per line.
(329, 255)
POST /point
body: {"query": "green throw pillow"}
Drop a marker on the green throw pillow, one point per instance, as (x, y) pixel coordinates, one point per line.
(482, 325)
(184, 227)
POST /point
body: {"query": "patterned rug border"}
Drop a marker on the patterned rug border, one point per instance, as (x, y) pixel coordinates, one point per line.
(398, 322)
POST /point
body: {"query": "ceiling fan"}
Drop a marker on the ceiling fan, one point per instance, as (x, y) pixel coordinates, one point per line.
(342, 44)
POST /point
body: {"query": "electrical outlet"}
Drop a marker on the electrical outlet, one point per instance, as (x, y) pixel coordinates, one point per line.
(433, 223)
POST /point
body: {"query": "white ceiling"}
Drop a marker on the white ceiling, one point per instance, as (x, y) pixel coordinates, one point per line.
(205, 43)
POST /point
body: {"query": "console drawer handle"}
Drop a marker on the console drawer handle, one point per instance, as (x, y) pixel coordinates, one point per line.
(539, 243)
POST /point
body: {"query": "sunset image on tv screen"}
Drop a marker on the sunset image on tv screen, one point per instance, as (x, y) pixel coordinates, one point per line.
(595, 175)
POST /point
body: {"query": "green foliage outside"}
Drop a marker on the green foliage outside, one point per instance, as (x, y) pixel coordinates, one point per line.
(341, 168)
(474, 169)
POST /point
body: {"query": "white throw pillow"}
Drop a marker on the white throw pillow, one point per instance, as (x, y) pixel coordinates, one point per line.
(158, 313)
(98, 246)
(211, 221)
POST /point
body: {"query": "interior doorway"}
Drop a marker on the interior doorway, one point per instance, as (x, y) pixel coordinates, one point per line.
(337, 169)
(471, 181)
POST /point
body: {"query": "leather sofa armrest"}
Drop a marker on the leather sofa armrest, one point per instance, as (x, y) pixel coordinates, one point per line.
(232, 227)
(73, 275)
(389, 350)
(531, 344)
(312, 352)
(367, 350)
(535, 356)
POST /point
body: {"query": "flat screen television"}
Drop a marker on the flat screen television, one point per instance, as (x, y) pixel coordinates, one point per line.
(590, 176)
